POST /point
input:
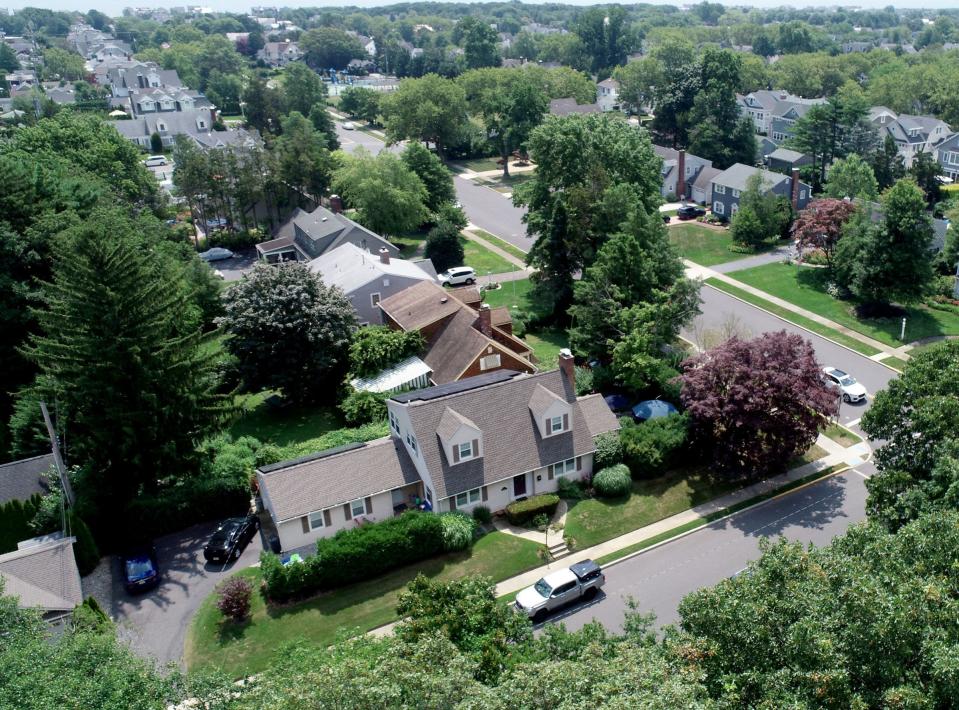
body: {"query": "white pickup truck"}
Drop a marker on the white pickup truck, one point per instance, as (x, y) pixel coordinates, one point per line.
(580, 581)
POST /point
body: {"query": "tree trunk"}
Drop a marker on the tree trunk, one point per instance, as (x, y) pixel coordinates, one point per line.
(505, 161)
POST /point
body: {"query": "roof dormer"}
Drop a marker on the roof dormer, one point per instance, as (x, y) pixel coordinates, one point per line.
(550, 412)
(462, 440)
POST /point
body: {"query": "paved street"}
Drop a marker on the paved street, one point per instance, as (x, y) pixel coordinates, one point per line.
(490, 210)
(658, 579)
(155, 623)
(721, 313)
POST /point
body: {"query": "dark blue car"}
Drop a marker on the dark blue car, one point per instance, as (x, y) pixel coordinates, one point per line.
(140, 570)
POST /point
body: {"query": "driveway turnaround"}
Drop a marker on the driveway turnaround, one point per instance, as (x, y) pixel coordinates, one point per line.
(155, 623)
(660, 577)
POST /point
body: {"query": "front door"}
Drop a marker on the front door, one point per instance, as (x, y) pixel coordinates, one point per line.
(519, 486)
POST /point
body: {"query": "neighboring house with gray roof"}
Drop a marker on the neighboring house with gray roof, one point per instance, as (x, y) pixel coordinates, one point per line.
(167, 126)
(307, 235)
(728, 185)
(42, 573)
(566, 107)
(783, 160)
(702, 187)
(774, 112)
(19, 480)
(487, 440)
(367, 278)
(279, 54)
(912, 134)
(947, 153)
(679, 172)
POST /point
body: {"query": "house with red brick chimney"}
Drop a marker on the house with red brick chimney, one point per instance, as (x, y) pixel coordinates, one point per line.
(728, 186)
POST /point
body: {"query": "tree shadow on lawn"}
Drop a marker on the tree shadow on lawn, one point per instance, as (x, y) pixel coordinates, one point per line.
(920, 323)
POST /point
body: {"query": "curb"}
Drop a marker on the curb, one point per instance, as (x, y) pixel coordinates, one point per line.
(786, 320)
(707, 523)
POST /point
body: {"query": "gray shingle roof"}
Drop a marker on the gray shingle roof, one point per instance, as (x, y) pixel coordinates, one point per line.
(21, 479)
(565, 107)
(599, 418)
(512, 443)
(306, 487)
(736, 177)
(43, 576)
(786, 155)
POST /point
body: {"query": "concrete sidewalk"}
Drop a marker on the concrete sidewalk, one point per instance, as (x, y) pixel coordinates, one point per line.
(696, 271)
(470, 233)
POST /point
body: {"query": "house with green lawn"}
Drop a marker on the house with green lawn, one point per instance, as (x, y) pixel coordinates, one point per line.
(487, 440)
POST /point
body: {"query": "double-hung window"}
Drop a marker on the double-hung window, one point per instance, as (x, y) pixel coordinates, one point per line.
(394, 423)
(466, 450)
(467, 497)
(555, 425)
(567, 466)
(316, 520)
(720, 189)
(411, 440)
(357, 508)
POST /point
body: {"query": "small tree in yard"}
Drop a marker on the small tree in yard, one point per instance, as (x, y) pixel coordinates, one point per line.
(378, 347)
(289, 331)
(234, 597)
(820, 225)
(759, 217)
(156, 143)
(756, 404)
(444, 246)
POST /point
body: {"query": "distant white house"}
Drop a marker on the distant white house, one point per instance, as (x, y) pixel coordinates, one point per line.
(607, 94)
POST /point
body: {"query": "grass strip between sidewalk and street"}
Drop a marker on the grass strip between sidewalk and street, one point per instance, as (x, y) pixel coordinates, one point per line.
(842, 435)
(712, 517)
(894, 362)
(793, 317)
(510, 249)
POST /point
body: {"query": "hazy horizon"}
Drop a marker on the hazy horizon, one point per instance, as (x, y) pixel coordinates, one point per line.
(114, 8)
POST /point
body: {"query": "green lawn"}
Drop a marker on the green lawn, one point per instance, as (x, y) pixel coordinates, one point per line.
(546, 344)
(922, 348)
(806, 287)
(841, 435)
(282, 426)
(590, 522)
(484, 260)
(788, 315)
(705, 246)
(409, 244)
(250, 647)
(512, 294)
(893, 362)
(511, 249)
(477, 165)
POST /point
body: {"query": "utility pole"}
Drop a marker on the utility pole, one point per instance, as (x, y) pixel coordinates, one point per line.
(57, 458)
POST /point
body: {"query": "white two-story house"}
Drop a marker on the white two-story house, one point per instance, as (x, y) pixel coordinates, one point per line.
(487, 440)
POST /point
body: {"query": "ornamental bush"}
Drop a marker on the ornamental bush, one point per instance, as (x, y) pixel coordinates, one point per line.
(522, 510)
(233, 598)
(458, 530)
(609, 450)
(655, 445)
(482, 515)
(613, 482)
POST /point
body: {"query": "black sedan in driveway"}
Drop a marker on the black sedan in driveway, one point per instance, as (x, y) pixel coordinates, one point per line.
(690, 212)
(230, 537)
(140, 569)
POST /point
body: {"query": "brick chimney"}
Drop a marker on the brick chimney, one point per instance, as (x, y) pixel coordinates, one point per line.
(385, 255)
(568, 367)
(794, 192)
(336, 204)
(681, 179)
(486, 320)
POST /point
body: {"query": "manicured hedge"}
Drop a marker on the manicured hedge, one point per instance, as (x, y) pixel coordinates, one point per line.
(356, 554)
(521, 511)
(650, 448)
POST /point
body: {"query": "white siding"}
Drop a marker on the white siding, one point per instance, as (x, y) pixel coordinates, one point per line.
(292, 535)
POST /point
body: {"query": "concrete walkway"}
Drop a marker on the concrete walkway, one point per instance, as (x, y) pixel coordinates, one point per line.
(523, 271)
(786, 251)
(696, 271)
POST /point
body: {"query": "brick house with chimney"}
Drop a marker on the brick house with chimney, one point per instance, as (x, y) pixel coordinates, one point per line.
(486, 440)
(462, 340)
(679, 173)
(728, 185)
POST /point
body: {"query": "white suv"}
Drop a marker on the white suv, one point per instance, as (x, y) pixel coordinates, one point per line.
(155, 161)
(457, 275)
(851, 390)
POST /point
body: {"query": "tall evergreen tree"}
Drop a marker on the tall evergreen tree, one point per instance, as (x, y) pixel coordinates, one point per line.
(430, 169)
(887, 164)
(135, 391)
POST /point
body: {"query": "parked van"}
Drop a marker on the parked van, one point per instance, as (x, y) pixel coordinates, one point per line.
(155, 161)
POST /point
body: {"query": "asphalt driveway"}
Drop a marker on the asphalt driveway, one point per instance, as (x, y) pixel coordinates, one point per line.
(155, 623)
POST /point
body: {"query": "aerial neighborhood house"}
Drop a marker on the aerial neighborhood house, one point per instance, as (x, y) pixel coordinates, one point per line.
(728, 185)
(939, 226)
(167, 100)
(702, 187)
(461, 341)
(607, 94)
(197, 124)
(912, 134)
(42, 573)
(307, 235)
(680, 170)
(368, 278)
(279, 54)
(783, 160)
(773, 113)
(566, 107)
(124, 77)
(19, 480)
(947, 153)
(487, 440)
